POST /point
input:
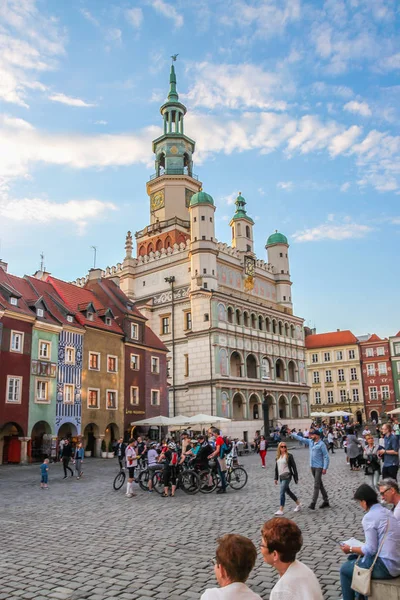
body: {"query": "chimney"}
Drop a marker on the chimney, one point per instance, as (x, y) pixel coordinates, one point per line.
(337, 329)
(3, 265)
(42, 275)
(94, 274)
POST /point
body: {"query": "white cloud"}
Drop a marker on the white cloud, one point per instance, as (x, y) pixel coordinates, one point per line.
(263, 18)
(343, 141)
(114, 36)
(345, 186)
(30, 43)
(89, 17)
(360, 108)
(167, 10)
(63, 99)
(134, 16)
(285, 185)
(324, 89)
(391, 63)
(229, 199)
(22, 147)
(332, 231)
(101, 122)
(31, 210)
(236, 86)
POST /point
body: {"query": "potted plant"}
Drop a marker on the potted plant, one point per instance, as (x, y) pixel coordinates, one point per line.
(103, 449)
(110, 450)
(88, 452)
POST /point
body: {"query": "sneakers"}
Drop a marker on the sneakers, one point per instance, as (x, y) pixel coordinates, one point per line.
(325, 504)
(221, 491)
(297, 508)
(312, 506)
(129, 495)
(263, 467)
(279, 513)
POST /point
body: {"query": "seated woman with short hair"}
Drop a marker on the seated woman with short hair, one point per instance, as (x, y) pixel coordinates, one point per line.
(281, 540)
(377, 523)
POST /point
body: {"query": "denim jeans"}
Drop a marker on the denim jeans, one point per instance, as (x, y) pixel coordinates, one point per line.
(222, 475)
(373, 479)
(346, 573)
(284, 489)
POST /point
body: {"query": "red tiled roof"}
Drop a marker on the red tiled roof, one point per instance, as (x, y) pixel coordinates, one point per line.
(333, 338)
(397, 334)
(374, 338)
(24, 291)
(75, 296)
(108, 292)
(54, 302)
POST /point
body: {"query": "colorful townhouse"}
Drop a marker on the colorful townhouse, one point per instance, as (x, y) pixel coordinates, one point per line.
(394, 342)
(16, 325)
(376, 364)
(102, 386)
(145, 356)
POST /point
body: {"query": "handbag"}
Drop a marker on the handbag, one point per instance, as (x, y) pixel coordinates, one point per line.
(361, 580)
(285, 476)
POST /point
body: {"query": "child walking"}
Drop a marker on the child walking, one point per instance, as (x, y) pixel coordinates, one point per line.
(44, 472)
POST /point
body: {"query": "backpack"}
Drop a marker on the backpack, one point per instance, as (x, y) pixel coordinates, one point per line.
(226, 447)
(174, 459)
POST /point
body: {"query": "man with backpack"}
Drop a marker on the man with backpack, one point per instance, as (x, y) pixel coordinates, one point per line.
(222, 448)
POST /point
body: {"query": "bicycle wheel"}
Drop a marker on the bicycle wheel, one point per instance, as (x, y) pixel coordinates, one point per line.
(158, 482)
(208, 482)
(189, 482)
(143, 480)
(237, 478)
(119, 481)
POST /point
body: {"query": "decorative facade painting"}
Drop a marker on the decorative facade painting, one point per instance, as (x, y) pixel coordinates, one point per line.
(223, 362)
(265, 368)
(302, 372)
(224, 410)
(221, 312)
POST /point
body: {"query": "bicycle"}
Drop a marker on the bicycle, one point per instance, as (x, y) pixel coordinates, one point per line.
(187, 480)
(142, 478)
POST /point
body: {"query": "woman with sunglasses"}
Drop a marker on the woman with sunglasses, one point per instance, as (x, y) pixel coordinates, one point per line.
(372, 462)
(285, 471)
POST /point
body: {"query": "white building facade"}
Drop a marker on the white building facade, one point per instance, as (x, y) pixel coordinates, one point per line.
(226, 315)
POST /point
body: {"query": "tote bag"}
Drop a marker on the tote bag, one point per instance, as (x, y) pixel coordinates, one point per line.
(361, 581)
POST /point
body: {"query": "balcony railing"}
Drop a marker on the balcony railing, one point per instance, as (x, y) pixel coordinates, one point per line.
(174, 172)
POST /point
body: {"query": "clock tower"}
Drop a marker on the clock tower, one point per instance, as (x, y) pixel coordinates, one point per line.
(173, 183)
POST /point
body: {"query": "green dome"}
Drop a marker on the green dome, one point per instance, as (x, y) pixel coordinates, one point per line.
(277, 238)
(201, 198)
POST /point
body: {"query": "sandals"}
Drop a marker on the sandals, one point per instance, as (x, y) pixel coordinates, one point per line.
(164, 495)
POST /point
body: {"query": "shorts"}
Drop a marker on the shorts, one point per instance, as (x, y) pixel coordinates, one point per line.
(131, 472)
(154, 468)
(44, 478)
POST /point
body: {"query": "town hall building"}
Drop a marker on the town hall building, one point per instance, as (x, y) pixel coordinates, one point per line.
(225, 315)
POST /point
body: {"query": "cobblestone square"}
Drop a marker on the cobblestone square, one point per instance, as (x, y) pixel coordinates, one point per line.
(82, 540)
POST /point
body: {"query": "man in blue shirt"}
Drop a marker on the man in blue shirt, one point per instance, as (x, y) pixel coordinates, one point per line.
(319, 463)
(390, 454)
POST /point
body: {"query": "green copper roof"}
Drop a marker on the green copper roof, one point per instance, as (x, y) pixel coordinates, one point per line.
(173, 94)
(277, 238)
(201, 198)
(240, 209)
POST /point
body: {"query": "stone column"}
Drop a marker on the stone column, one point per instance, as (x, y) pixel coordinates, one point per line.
(24, 450)
(97, 448)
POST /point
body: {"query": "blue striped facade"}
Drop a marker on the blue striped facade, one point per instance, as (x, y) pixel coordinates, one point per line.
(69, 413)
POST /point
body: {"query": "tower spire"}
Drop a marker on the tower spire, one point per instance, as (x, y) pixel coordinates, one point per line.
(173, 94)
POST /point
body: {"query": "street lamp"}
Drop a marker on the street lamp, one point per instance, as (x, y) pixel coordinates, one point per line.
(265, 409)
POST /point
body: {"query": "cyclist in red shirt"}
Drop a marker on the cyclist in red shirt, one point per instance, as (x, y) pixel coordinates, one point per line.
(219, 453)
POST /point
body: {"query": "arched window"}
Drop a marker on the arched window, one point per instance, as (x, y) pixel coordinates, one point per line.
(142, 251)
(273, 326)
(280, 324)
(251, 366)
(159, 245)
(292, 331)
(235, 364)
(268, 324)
(286, 330)
(150, 248)
(265, 368)
(280, 370)
(238, 317)
(260, 323)
(167, 242)
(238, 229)
(237, 407)
(248, 235)
(246, 318)
(292, 371)
(282, 408)
(253, 321)
(230, 314)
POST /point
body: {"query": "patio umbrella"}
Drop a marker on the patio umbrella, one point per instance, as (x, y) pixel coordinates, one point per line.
(318, 414)
(395, 411)
(160, 421)
(340, 413)
(202, 419)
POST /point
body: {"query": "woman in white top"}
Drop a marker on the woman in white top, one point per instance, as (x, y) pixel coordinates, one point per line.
(372, 462)
(262, 447)
(281, 540)
(285, 470)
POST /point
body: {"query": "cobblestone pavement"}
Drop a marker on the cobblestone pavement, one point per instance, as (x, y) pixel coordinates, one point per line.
(81, 540)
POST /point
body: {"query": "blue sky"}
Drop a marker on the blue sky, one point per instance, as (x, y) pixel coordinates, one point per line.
(294, 103)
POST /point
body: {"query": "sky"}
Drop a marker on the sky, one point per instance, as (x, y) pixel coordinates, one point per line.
(294, 103)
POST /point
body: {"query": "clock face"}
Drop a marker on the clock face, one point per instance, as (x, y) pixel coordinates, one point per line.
(249, 266)
(174, 150)
(157, 200)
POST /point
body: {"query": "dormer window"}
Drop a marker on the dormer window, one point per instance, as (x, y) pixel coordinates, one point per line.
(108, 321)
(14, 301)
(89, 316)
(39, 312)
(134, 331)
(70, 318)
